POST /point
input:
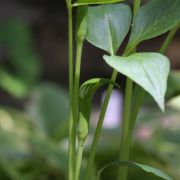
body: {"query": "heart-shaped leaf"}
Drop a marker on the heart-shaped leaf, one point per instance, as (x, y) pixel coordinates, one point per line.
(87, 2)
(107, 26)
(143, 167)
(153, 19)
(149, 70)
(49, 110)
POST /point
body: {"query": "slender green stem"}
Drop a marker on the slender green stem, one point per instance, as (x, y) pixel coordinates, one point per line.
(79, 158)
(136, 5)
(125, 134)
(77, 79)
(136, 105)
(76, 105)
(71, 121)
(168, 39)
(99, 127)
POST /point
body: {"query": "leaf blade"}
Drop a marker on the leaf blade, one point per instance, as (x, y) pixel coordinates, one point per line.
(149, 70)
(153, 19)
(107, 26)
(90, 2)
(143, 167)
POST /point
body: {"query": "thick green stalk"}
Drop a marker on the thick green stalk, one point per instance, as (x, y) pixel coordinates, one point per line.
(125, 133)
(168, 39)
(70, 68)
(136, 5)
(76, 105)
(79, 159)
(99, 127)
(126, 123)
(77, 80)
(138, 98)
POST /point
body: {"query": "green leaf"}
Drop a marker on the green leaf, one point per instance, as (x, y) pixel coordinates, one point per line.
(81, 22)
(153, 19)
(12, 84)
(49, 110)
(18, 38)
(87, 91)
(88, 2)
(143, 167)
(53, 153)
(82, 127)
(107, 26)
(149, 70)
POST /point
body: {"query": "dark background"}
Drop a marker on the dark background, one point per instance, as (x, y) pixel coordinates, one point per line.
(48, 22)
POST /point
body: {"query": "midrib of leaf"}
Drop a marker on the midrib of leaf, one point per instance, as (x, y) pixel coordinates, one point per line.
(110, 36)
(149, 78)
(85, 3)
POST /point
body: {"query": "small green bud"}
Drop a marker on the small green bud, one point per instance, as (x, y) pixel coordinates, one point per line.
(82, 127)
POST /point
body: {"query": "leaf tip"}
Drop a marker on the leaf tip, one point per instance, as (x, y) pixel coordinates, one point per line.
(105, 57)
(161, 104)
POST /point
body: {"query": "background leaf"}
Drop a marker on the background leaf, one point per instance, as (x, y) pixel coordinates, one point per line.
(49, 110)
(146, 168)
(149, 70)
(108, 25)
(16, 36)
(12, 84)
(87, 2)
(154, 18)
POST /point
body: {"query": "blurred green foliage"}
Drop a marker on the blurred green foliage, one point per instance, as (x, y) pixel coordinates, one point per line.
(24, 67)
(33, 141)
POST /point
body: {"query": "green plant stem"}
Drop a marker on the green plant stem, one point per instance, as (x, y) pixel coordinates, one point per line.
(138, 100)
(136, 5)
(76, 105)
(79, 158)
(126, 123)
(99, 127)
(125, 137)
(77, 79)
(71, 120)
(168, 39)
